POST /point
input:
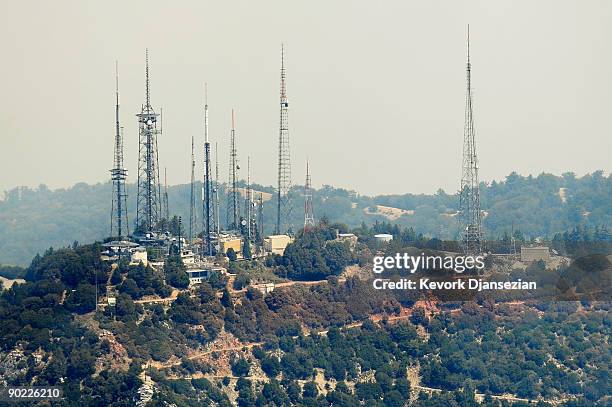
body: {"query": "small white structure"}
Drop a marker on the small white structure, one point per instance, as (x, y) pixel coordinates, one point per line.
(139, 255)
(276, 244)
(117, 248)
(383, 238)
(187, 256)
(198, 275)
(347, 237)
(529, 254)
(264, 288)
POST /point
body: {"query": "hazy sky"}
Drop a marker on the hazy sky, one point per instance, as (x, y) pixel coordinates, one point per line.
(376, 88)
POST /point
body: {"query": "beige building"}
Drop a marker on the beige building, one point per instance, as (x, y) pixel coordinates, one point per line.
(529, 254)
(139, 255)
(265, 288)
(276, 244)
(187, 256)
(231, 243)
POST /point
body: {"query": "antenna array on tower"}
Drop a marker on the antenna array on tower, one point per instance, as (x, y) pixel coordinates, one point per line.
(233, 207)
(192, 196)
(119, 220)
(149, 191)
(209, 218)
(283, 210)
(308, 209)
(469, 195)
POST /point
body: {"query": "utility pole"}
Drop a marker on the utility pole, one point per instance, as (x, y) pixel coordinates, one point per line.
(148, 200)
(308, 209)
(208, 218)
(119, 219)
(166, 208)
(469, 195)
(233, 207)
(283, 207)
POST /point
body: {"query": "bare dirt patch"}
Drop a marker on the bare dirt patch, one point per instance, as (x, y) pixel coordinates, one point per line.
(388, 212)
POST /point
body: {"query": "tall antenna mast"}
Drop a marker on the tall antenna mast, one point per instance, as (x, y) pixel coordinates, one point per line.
(209, 220)
(149, 199)
(233, 207)
(249, 200)
(283, 209)
(308, 209)
(469, 195)
(217, 212)
(119, 220)
(193, 199)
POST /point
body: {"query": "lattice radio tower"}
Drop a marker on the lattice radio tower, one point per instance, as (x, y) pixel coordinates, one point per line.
(149, 191)
(308, 209)
(260, 218)
(469, 195)
(119, 219)
(233, 206)
(208, 207)
(283, 209)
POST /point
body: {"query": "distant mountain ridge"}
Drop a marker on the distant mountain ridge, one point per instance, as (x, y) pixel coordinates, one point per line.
(31, 220)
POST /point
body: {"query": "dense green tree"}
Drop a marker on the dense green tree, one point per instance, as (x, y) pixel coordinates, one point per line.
(231, 254)
(294, 392)
(241, 367)
(116, 277)
(56, 369)
(226, 299)
(242, 280)
(270, 365)
(80, 364)
(175, 272)
(130, 288)
(310, 390)
(82, 299)
(274, 394)
(246, 249)
(125, 307)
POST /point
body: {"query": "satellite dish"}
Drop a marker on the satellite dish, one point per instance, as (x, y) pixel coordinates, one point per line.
(243, 222)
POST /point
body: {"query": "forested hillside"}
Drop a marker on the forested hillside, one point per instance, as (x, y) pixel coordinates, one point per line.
(337, 342)
(31, 220)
